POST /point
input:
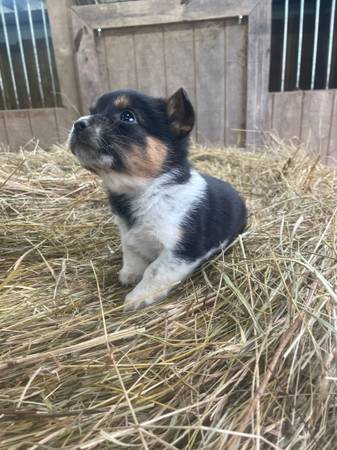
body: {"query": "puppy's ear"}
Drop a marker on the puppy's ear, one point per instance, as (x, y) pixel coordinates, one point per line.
(180, 113)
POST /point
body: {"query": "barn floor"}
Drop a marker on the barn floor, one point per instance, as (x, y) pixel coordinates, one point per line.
(242, 355)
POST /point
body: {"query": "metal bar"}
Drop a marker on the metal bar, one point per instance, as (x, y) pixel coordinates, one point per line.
(37, 65)
(22, 53)
(50, 65)
(314, 58)
(300, 44)
(285, 39)
(331, 35)
(9, 54)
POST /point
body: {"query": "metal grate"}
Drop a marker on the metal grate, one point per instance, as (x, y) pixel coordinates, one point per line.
(28, 77)
(304, 45)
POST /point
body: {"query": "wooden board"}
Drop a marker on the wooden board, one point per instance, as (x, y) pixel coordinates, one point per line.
(259, 28)
(120, 59)
(332, 150)
(60, 23)
(150, 64)
(3, 131)
(235, 82)
(286, 120)
(86, 62)
(209, 60)
(179, 61)
(44, 126)
(18, 128)
(150, 12)
(316, 121)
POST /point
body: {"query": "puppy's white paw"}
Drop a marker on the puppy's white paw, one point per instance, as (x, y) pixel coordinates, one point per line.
(135, 301)
(128, 278)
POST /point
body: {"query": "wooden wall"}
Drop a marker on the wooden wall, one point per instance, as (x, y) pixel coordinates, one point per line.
(310, 116)
(18, 127)
(207, 58)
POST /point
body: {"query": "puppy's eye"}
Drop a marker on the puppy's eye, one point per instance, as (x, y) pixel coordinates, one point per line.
(127, 116)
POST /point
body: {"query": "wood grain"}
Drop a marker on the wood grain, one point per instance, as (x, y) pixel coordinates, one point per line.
(86, 62)
(18, 128)
(3, 131)
(120, 59)
(150, 64)
(316, 121)
(287, 114)
(154, 12)
(235, 82)
(179, 60)
(44, 126)
(259, 32)
(210, 86)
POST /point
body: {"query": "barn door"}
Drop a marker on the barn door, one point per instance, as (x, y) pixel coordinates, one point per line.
(217, 50)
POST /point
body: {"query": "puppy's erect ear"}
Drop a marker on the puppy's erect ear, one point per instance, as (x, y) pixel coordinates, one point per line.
(180, 113)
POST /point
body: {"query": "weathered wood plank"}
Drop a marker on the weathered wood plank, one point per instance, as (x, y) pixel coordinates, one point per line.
(86, 62)
(150, 64)
(101, 50)
(332, 151)
(270, 113)
(120, 59)
(287, 114)
(3, 131)
(44, 126)
(154, 12)
(210, 86)
(235, 82)
(60, 23)
(18, 128)
(316, 120)
(64, 124)
(179, 60)
(259, 29)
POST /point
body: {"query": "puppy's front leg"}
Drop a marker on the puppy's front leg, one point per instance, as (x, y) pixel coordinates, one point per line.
(134, 265)
(159, 277)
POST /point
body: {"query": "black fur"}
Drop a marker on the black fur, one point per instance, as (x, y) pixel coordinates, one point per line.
(220, 216)
(121, 205)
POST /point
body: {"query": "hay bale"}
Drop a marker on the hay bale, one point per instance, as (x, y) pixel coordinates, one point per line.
(242, 355)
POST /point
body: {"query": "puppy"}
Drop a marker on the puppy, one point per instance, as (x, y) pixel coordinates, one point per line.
(171, 217)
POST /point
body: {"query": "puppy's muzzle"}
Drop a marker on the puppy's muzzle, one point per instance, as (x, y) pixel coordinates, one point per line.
(80, 125)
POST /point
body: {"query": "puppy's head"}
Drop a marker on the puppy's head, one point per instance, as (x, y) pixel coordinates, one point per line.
(134, 135)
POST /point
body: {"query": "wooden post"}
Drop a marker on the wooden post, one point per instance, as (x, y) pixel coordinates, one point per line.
(60, 23)
(259, 36)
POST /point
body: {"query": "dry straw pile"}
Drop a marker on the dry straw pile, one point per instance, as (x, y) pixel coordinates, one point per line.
(242, 356)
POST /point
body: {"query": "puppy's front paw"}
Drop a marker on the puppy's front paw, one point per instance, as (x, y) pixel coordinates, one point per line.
(134, 300)
(128, 278)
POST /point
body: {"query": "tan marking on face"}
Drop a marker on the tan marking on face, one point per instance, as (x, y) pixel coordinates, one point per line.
(147, 162)
(121, 102)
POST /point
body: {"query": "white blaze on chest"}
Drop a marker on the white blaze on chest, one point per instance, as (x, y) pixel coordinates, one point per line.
(162, 208)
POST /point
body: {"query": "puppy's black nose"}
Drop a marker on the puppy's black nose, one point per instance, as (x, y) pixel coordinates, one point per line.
(79, 125)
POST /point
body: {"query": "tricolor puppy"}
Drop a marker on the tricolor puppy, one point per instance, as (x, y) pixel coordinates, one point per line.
(171, 217)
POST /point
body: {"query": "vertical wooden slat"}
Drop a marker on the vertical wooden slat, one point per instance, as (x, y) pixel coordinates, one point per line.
(120, 59)
(259, 28)
(86, 62)
(209, 53)
(235, 82)
(270, 113)
(287, 114)
(44, 126)
(3, 131)
(60, 24)
(102, 62)
(149, 52)
(179, 60)
(18, 128)
(332, 151)
(316, 117)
